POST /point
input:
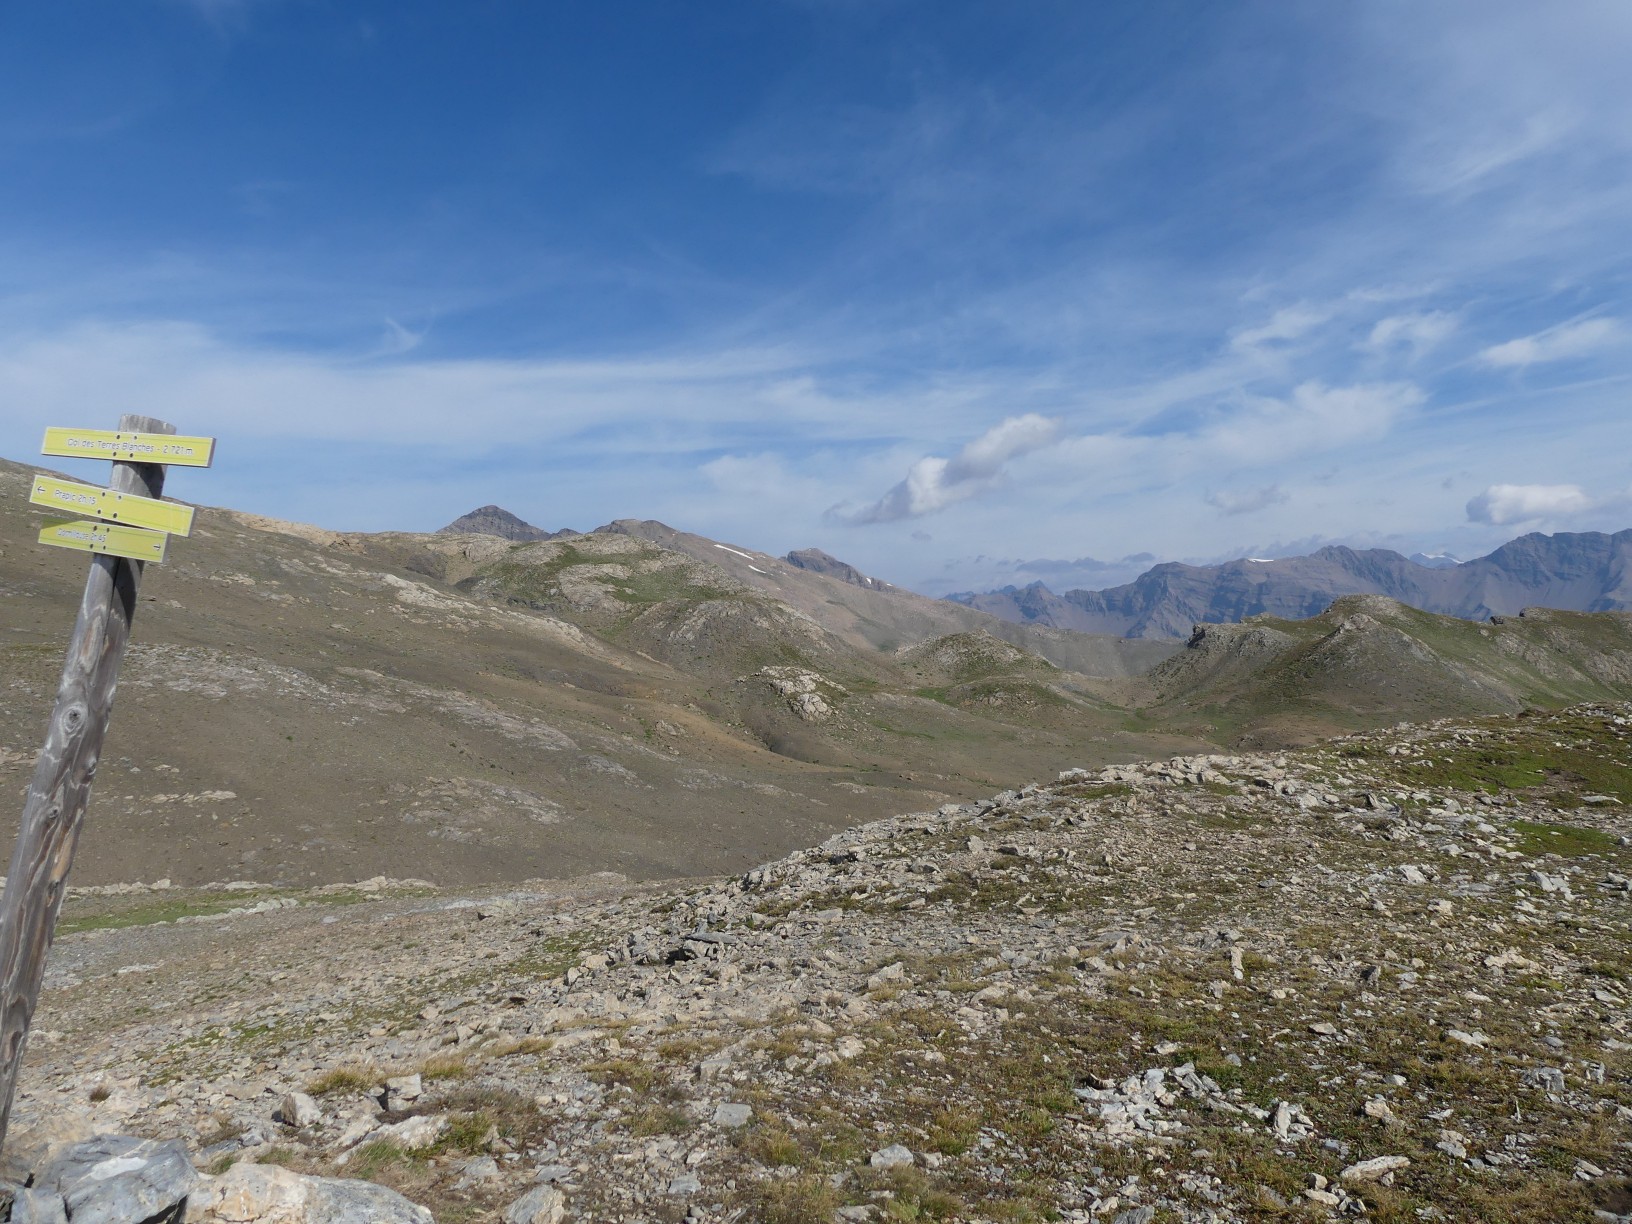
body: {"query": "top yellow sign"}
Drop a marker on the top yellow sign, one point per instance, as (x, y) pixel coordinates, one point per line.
(129, 447)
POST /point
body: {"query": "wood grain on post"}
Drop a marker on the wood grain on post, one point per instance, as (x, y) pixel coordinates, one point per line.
(61, 787)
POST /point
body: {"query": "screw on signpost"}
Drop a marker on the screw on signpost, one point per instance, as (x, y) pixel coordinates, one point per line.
(128, 526)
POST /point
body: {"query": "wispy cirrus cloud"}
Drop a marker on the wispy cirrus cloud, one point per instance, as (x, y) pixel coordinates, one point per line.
(1285, 325)
(1246, 502)
(1561, 343)
(1414, 333)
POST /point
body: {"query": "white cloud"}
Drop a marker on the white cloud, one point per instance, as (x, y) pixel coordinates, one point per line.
(1313, 418)
(399, 339)
(1416, 332)
(1247, 502)
(1287, 324)
(1555, 344)
(1502, 504)
(933, 483)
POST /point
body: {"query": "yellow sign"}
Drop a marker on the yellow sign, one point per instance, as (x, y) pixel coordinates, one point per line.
(130, 447)
(124, 508)
(87, 536)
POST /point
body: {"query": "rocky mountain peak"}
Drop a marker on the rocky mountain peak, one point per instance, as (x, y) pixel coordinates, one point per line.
(819, 562)
(497, 521)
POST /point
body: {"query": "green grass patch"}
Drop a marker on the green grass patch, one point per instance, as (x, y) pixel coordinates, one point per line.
(152, 915)
(1572, 841)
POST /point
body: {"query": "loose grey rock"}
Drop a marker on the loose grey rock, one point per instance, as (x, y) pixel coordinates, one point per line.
(887, 975)
(477, 1171)
(299, 1110)
(116, 1179)
(890, 1157)
(1375, 1168)
(732, 1115)
(247, 1193)
(685, 1184)
(541, 1205)
(402, 1090)
(1548, 1079)
(38, 1207)
(412, 1134)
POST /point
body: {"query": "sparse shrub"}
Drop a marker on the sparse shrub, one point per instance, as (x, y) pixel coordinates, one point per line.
(467, 1133)
(660, 1119)
(953, 1132)
(444, 1066)
(770, 1144)
(374, 1158)
(625, 1072)
(344, 1079)
(285, 1157)
(798, 1200)
(521, 1045)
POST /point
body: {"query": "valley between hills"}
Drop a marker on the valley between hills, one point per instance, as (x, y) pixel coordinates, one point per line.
(301, 706)
(635, 876)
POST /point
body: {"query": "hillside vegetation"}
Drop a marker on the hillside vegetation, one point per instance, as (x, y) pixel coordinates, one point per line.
(304, 707)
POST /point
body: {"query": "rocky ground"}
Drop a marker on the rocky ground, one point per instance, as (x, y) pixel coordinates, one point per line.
(1384, 977)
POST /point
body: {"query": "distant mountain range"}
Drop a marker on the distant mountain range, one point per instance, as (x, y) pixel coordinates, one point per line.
(1573, 571)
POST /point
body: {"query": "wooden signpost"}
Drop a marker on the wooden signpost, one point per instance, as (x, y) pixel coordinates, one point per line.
(126, 526)
(112, 506)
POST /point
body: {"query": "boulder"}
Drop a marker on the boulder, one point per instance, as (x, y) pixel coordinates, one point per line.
(114, 1179)
(271, 1194)
(299, 1110)
(38, 1207)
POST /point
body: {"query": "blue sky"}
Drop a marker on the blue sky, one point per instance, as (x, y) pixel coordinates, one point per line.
(967, 294)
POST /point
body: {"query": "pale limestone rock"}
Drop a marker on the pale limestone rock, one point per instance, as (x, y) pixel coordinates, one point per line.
(540, 1205)
(1375, 1168)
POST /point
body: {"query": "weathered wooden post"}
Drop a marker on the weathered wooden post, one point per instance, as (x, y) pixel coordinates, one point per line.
(61, 788)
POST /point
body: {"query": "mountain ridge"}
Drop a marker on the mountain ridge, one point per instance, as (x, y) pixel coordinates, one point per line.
(1571, 571)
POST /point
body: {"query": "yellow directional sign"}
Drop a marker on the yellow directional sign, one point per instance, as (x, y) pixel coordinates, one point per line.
(124, 508)
(131, 447)
(132, 542)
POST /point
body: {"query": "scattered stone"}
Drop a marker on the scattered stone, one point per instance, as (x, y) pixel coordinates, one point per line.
(886, 976)
(1375, 1169)
(411, 1134)
(1548, 1079)
(300, 1111)
(732, 1116)
(544, 1204)
(1379, 1109)
(478, 1171)
(890, 1157)
(402, 1091)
